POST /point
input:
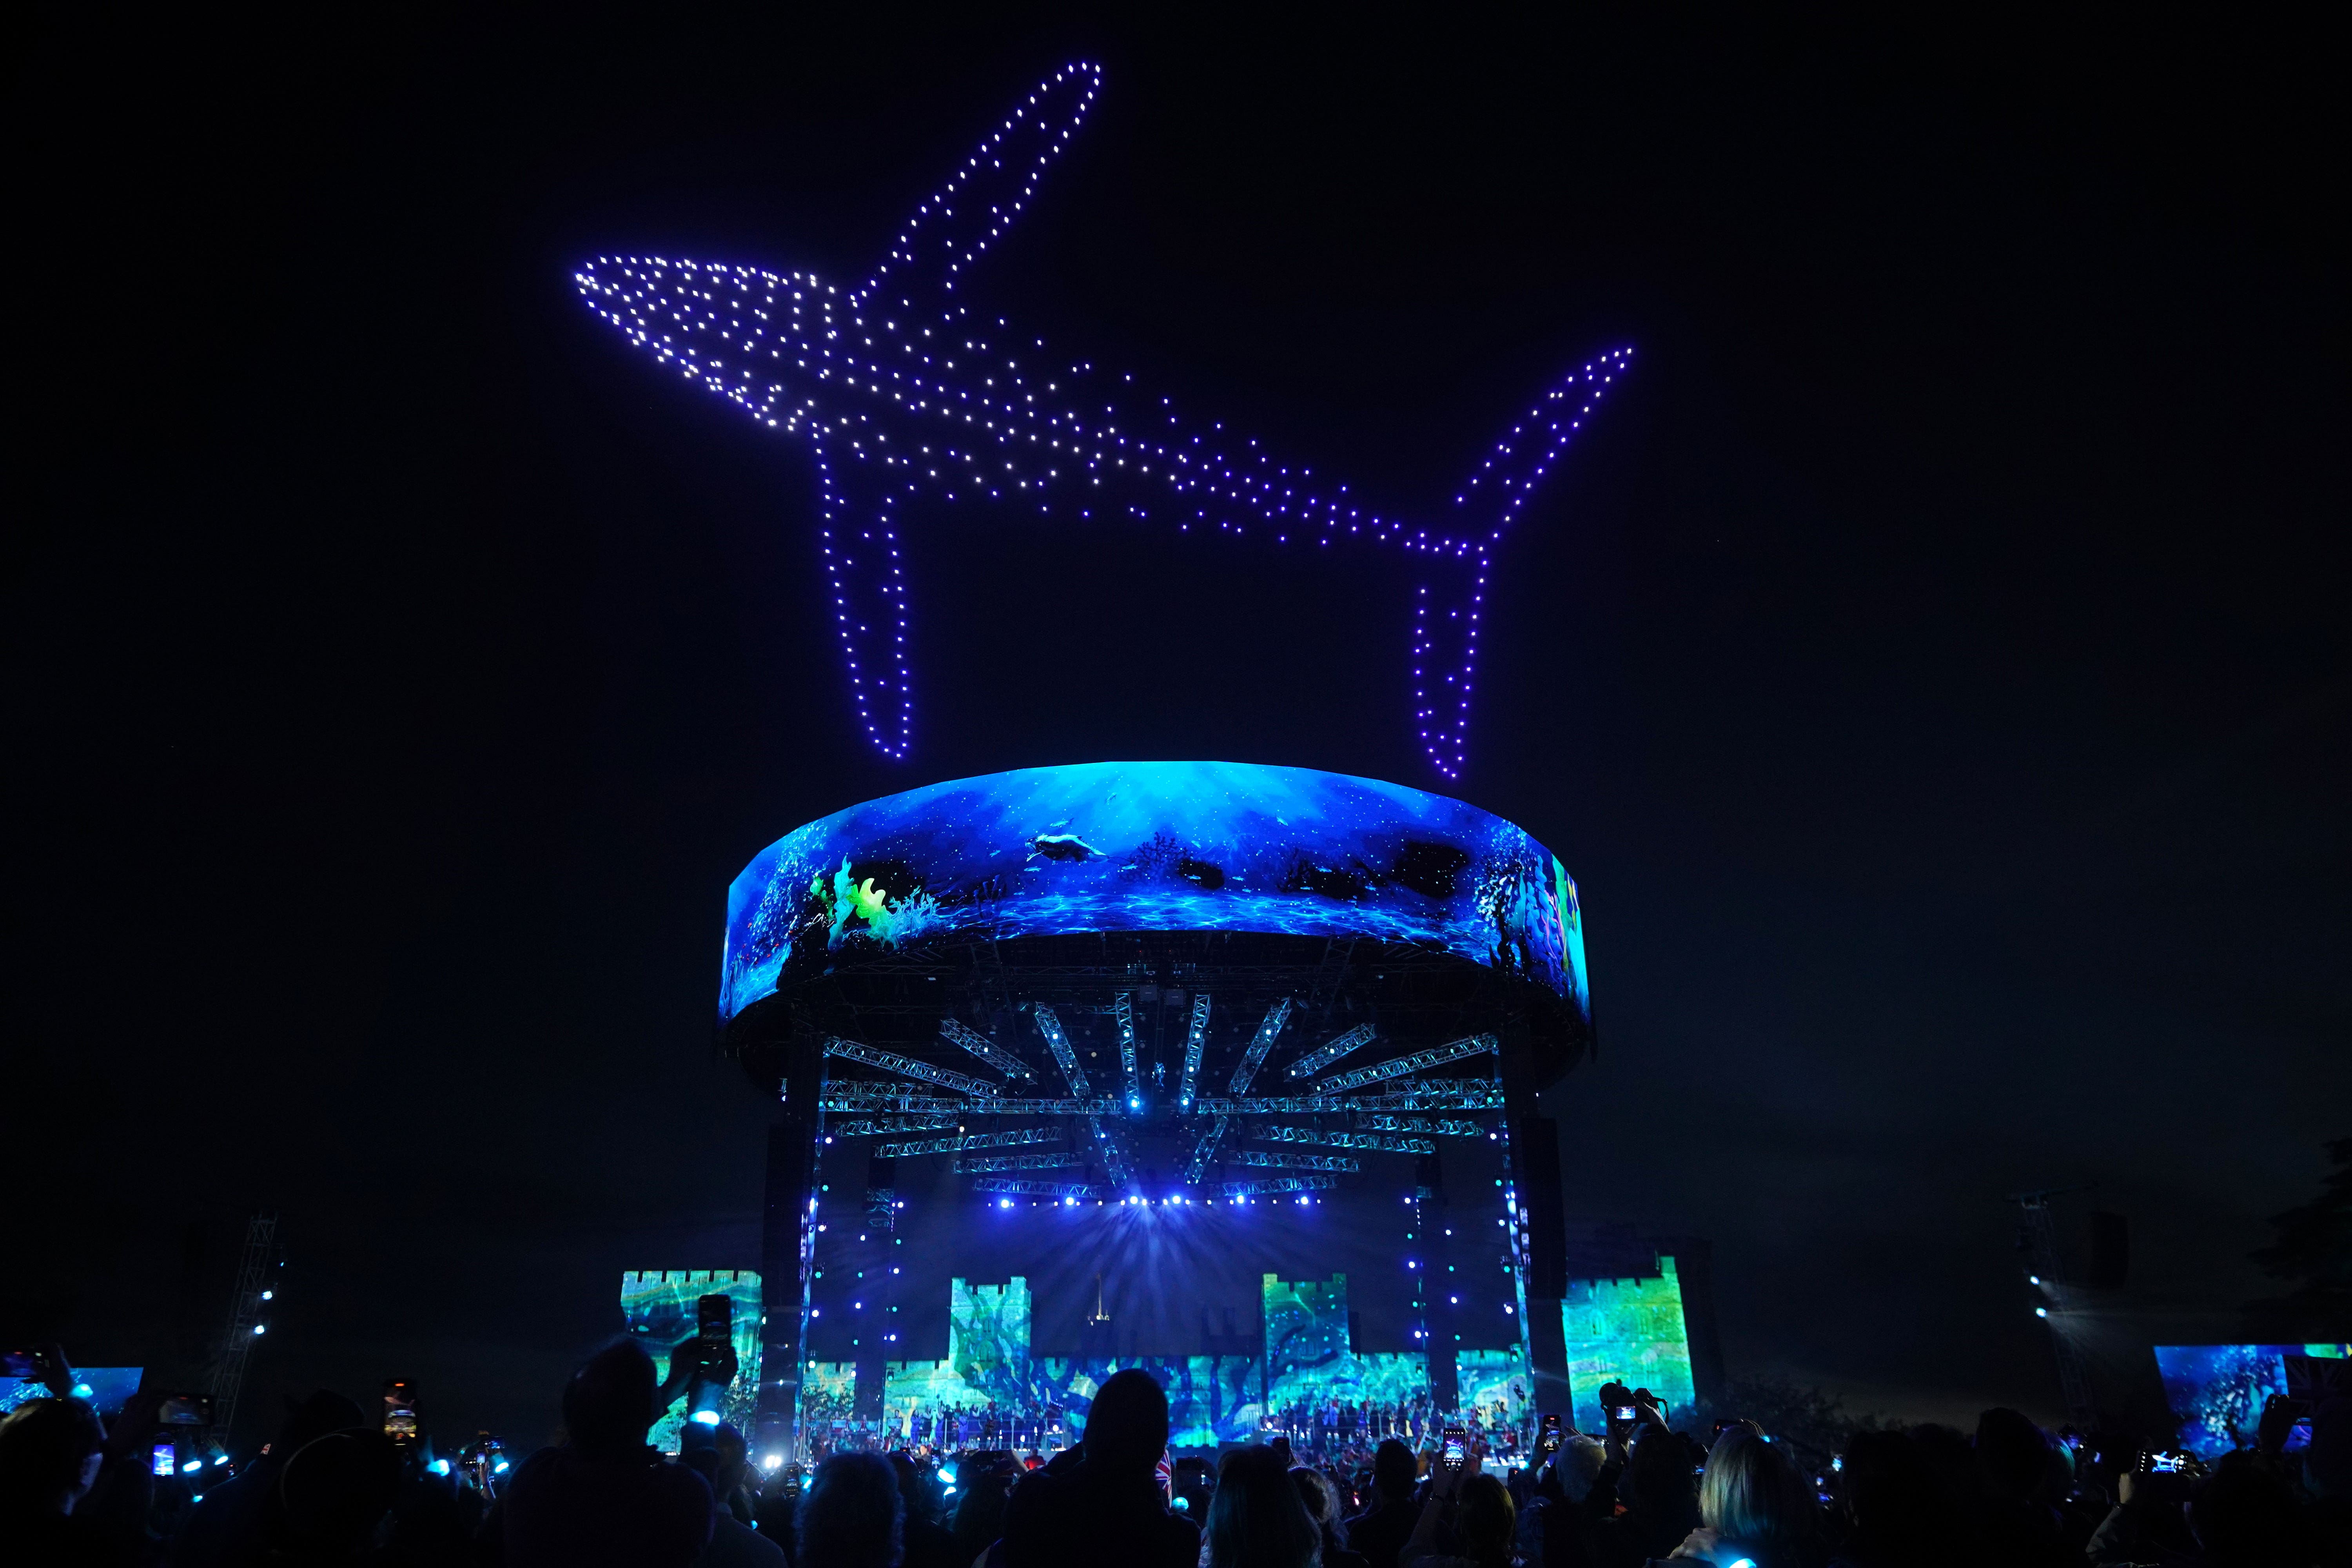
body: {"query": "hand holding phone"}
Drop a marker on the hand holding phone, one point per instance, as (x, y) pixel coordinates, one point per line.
(400, 1411)
(184, 1410)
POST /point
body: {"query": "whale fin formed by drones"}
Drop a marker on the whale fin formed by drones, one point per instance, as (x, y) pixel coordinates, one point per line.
(900, 388)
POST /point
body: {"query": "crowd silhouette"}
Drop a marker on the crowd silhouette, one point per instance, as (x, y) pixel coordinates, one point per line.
(330, 1487)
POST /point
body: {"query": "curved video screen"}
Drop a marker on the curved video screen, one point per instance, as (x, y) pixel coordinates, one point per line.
(1109, 846)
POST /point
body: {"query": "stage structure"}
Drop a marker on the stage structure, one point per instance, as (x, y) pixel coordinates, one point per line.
(1226, 1069)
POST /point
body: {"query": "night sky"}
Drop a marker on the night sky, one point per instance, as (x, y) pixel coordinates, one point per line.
(1931, 664)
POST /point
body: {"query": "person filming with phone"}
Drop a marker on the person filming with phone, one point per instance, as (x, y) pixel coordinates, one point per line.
(1475, 1505)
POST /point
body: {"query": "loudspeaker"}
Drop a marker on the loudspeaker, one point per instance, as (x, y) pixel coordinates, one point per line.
(1535, 1152)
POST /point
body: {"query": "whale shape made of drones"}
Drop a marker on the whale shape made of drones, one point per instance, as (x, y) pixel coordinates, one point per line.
(900, 388)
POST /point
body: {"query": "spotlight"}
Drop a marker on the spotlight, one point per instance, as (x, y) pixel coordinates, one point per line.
(439, 1467)
(191, 1467)
(261, 1328)
(2041, 1311)
(772, 1461)
(706, 1418)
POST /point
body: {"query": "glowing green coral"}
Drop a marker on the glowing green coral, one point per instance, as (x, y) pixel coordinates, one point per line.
(916, 913)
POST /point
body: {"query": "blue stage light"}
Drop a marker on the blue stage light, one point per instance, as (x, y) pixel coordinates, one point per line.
(706, 1418)
(439, 1467)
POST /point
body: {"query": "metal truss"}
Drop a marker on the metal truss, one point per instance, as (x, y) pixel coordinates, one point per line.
(1332, 1049)
(968, 1140)
(1261, 1043)
(1283, 1159)
(1276, 1184)
(1035, 1189)
(908, 1067)
(1412, 1062)
(1438, 1094)
(1059, 1044)
(1055, 1160)
(891, 1126)
(1274, 1132)
(1381, 1122)
(1114, 1153)
(955, 1032)
(1195, 1039)
(859, 1096)
(1123, 1012)
(1198, 1165)
(865, 1095)
(1272, 1105)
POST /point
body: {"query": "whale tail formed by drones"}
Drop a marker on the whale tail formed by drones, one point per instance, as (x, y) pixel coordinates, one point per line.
(900, 389)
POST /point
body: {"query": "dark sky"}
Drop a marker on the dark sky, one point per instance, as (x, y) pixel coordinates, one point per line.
(1932, 666)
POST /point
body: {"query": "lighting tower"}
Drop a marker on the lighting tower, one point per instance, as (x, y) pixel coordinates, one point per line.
(2038, 1242)
(253, 1292)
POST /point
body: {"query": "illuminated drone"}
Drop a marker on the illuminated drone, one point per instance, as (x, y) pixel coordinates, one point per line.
(899, 389)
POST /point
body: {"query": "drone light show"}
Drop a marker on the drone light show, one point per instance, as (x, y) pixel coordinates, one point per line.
(901, 388)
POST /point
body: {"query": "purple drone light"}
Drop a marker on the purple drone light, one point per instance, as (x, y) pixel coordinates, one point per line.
(900, 389)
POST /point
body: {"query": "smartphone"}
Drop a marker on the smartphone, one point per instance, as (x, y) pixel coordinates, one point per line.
(1457, 1452)
(2298, 1436)
(400, 1411)
(26, 1364)
(185, 1410)
(714, 1321)
(2164, 1464)
(1547, 1439)
(1281, 1445)
(159, 1460)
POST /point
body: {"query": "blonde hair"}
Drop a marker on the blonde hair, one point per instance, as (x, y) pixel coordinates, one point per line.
(1751, 1491)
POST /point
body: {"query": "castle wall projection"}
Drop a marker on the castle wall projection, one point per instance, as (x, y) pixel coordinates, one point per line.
(2218, 1391)
(1103, 847)
(1628, 1331)
(658, 1305)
